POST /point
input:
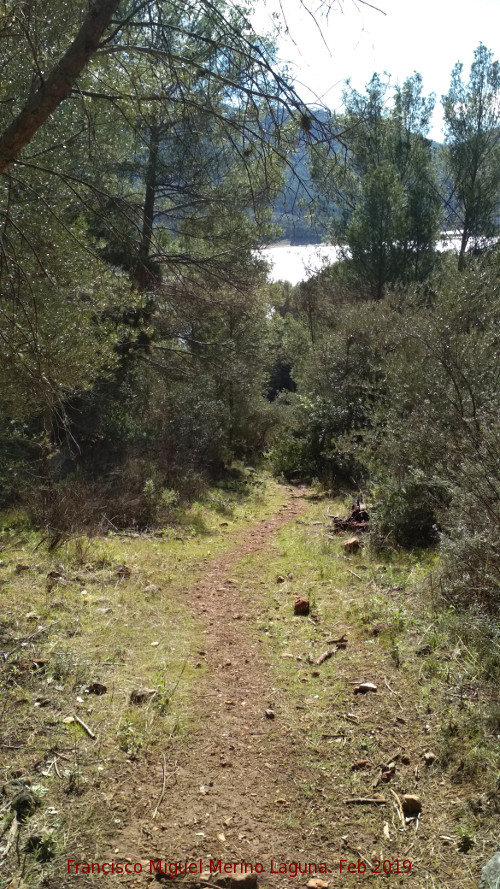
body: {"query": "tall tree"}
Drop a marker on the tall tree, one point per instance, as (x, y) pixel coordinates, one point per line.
(144, 116)
(472, 155)
(382, 201)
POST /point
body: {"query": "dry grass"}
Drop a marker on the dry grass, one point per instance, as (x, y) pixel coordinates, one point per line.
(118, 595)
(105, 611)
(436, 682)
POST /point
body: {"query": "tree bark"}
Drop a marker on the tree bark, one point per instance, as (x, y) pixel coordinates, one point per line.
(58, 84)
(143, 275)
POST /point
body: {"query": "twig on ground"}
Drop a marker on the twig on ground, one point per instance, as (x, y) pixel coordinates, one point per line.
(162, 794)
(399, 808)
(85, 727)
(324, 657)
(391, 689)
(367, 800)
(357, 576)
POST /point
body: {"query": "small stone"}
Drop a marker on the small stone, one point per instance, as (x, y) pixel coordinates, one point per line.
(360, 764)
(490, 874)
(68, 720)
(96, 688)
(270, 714)
(352, 545)
(364, 688)
(280, 579)
(301, 607)
(429, 758)
(123, 571)
(141, 695)
(412, 805)
(316, 883)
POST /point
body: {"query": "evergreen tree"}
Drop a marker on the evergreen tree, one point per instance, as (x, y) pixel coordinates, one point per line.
(383, 199)
(472, 156)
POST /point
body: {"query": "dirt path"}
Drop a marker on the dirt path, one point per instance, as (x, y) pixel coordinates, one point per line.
(227, 796)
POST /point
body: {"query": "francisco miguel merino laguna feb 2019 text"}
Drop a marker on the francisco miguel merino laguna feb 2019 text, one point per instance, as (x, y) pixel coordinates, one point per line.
(217, 866)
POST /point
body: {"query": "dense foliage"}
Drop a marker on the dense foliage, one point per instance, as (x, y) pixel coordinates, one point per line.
(143, 352)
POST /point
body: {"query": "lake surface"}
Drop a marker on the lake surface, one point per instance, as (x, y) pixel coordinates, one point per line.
(299, 262)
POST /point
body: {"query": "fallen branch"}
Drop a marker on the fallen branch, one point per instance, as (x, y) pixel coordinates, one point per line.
(11, 836)
(341, 641)
(324, 657)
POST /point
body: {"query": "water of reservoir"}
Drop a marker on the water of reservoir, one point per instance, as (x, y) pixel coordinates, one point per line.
(296, 263)
(299, 262)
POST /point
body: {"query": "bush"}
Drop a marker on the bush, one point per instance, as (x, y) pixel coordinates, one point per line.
(406, 515)
(470, 569)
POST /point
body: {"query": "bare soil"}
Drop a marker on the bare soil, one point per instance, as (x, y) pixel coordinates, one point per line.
(228, 793)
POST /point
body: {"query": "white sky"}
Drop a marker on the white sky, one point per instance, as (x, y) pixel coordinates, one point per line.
(428, 36)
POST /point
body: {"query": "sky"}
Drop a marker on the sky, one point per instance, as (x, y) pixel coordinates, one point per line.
(427, 36)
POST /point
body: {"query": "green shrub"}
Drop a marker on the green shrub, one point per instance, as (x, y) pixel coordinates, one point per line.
(405, 515)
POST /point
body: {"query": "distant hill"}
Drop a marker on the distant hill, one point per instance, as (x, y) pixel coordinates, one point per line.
(293, 209)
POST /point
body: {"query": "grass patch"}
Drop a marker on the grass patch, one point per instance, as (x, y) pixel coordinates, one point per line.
(94, 614)
(436, 676)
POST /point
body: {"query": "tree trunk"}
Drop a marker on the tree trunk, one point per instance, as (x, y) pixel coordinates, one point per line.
(463, 248)
(143, 275)
(58, 84)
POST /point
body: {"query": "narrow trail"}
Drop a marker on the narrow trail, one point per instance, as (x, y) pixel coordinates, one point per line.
(227, 795)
